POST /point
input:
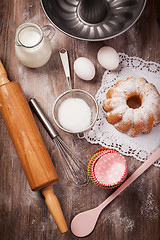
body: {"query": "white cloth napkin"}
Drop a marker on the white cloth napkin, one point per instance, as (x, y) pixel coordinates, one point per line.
(104, 133)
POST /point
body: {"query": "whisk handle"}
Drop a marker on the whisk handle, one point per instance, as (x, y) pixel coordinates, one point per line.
(49, 128)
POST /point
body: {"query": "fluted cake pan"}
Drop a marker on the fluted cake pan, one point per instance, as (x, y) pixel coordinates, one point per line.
(93, 20)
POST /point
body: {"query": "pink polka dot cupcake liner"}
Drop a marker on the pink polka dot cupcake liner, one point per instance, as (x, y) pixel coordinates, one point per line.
(107, 168)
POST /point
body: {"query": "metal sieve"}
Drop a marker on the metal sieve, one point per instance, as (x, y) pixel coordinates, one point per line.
(74, 93)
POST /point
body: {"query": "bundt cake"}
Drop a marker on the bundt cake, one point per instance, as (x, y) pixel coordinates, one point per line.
(133, 106)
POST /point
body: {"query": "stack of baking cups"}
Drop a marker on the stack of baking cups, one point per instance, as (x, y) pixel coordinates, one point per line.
(107, 168)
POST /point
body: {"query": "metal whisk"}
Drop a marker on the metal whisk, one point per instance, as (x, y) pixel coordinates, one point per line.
(74, 168)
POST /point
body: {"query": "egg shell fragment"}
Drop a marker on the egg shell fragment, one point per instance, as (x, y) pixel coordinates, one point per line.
(108, 58)
(84, 68)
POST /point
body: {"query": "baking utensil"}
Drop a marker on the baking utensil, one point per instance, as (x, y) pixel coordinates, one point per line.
(74, 93)
(84, 223)
(74, 168)
(93, 20)
(107, 168)
(29, 144)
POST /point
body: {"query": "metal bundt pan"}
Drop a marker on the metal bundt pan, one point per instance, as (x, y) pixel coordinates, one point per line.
(93, 20)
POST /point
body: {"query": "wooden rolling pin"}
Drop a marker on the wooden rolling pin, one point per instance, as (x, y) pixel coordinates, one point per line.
(29, 144)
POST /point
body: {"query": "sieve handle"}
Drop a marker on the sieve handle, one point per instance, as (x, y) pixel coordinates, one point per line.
(49, 128)
(65, 62)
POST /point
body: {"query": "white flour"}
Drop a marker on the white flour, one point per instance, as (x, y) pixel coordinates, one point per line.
(74, 114)
(149, 209)
(119, 220)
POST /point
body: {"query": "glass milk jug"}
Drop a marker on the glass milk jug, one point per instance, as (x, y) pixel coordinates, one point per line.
(32, 46)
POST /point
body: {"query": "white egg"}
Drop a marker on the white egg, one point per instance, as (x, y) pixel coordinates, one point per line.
(108, 58)
(84, 68)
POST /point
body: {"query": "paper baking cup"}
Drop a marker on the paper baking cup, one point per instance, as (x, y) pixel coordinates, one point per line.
(107, 168)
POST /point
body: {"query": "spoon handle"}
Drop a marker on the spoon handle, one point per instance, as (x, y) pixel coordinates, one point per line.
(131, 179)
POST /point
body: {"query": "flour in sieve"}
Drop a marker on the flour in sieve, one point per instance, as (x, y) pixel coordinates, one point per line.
(74, 115)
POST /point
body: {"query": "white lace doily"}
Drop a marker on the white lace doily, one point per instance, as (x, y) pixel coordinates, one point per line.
(104, 133)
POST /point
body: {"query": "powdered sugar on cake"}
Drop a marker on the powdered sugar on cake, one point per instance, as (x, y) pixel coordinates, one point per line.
(124, 117)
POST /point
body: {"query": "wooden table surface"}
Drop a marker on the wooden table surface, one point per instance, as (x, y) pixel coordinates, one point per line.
(23, 214)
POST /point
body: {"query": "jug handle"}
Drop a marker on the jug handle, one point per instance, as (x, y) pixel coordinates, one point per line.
(49, 31)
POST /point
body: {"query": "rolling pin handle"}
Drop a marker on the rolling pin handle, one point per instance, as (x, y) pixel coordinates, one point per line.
(54, 208)
(3, 75)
